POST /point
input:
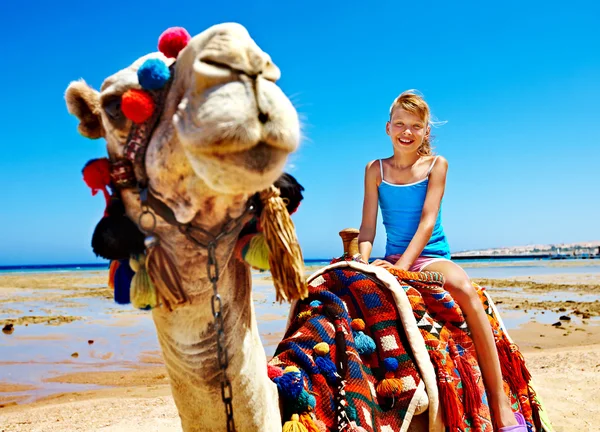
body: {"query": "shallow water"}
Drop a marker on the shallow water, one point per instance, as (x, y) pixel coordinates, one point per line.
(35, 352)
(513, 318)
(508, 271)
(122, 336)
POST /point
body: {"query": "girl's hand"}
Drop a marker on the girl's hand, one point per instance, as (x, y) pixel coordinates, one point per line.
(382, 263)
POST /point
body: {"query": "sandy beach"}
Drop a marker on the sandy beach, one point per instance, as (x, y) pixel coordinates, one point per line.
(73, 360)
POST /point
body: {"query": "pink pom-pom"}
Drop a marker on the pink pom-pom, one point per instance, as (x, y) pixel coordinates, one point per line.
(137, 105)
(173, 40)
(274, 371)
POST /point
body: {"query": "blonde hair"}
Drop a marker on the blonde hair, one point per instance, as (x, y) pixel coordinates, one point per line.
(414, 102)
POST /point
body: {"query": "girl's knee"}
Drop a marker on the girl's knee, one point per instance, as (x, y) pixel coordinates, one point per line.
(461, 289)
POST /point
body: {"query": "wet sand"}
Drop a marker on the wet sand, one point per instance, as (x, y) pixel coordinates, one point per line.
(99, 368)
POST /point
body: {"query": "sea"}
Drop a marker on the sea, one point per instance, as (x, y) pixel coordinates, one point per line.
(475, 268)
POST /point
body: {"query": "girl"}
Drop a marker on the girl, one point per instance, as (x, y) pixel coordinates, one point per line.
(409, 187)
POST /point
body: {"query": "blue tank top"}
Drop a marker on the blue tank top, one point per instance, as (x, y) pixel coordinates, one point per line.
(401, 207)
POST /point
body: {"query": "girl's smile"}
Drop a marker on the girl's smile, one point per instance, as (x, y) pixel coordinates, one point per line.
(407, 130)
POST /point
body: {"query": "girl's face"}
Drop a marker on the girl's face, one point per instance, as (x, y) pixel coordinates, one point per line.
(406, 130)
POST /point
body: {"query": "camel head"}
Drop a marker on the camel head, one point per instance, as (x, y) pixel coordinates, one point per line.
(224, 133)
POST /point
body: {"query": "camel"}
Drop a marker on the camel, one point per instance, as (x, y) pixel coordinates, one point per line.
(224, 133)
(219, 141)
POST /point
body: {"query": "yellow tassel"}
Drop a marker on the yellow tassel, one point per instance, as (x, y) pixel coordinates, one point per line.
(308, 422)
(294, 425)
(304, 314)
(285, 257)
(258, 252)
(142, 292)
(291, 369)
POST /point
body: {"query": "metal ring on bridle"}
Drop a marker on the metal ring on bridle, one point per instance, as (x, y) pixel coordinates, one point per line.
(145, 212)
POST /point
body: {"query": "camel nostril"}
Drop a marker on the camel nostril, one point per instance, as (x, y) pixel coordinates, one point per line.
(263, 117)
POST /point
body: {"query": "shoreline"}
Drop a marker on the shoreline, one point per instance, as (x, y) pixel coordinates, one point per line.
(459, 256)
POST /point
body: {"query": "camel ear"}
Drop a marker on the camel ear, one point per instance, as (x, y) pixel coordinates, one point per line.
(84, 103)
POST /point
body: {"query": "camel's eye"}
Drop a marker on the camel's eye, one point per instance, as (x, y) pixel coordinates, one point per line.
(112, 107)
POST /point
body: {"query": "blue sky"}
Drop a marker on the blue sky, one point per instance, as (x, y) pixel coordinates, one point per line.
(518, 84)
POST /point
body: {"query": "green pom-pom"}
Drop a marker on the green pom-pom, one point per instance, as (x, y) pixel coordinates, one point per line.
(303, 403)
(351, 413)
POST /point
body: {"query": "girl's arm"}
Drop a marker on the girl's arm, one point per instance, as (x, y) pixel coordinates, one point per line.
(433, 199)
(368, 225)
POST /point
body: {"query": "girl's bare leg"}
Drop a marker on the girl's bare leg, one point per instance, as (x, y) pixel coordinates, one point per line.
(459, 286)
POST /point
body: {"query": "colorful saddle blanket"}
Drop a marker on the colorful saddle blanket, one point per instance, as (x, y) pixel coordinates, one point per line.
(368, 350)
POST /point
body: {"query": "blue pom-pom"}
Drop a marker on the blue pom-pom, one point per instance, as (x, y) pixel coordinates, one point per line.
(327, 369)
(153, 74)
(289, 385)
(391, 364)
(315, 303)
(123, 276)
(365, 344)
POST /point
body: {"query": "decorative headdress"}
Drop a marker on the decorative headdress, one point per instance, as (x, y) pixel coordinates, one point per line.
(117, 238)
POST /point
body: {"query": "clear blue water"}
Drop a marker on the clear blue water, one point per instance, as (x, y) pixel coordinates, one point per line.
(51, 268)
(477, 268)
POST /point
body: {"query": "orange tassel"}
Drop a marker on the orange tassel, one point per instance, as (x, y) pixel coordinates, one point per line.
(308, 422)
(518, 363)
(114, 265)
(471, 394)
(390, 386)
(448, 398)
(510, 375)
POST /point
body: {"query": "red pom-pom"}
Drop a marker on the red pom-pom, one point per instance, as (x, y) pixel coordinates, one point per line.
(137, 105)
(173, 40)
(274, 371)
(357, 324)
(96, 174)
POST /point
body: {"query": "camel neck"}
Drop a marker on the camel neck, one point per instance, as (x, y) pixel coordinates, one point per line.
(188, 342)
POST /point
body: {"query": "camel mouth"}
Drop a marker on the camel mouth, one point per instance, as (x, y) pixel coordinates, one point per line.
(244, 171)
(221, 149)
(257, 158)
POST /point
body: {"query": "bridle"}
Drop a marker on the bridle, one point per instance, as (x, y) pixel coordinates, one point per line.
(129, 172)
